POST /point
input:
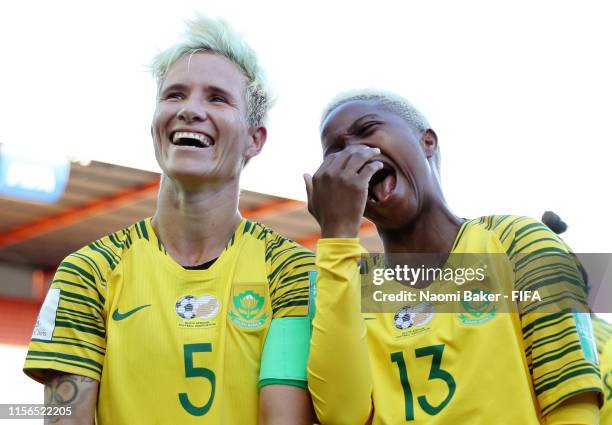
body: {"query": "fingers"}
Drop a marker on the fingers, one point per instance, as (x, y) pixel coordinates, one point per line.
(308, 183)
(354, 165)
(368, 170)
(359, 157)
(350, 160)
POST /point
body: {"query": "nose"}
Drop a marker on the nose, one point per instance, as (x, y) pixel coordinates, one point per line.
(190, 112)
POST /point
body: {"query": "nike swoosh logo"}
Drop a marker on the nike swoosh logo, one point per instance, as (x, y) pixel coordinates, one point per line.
(120, 316)
(369, 318)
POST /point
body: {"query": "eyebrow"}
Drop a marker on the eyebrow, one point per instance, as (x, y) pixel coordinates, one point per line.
(221, 91)
(359, 121)
(209, 88)
(351, 130)
(355, 124)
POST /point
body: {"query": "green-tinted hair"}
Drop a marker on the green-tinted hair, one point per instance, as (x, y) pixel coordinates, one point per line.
(203, 34)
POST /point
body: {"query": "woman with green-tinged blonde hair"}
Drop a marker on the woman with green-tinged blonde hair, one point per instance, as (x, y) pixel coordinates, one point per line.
(174, 320)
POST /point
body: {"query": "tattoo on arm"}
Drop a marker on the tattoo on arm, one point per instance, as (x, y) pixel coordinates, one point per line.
(79, 392)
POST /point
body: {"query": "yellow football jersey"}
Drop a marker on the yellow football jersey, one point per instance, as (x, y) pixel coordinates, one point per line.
(169, 345)
(603, 336)
(478, 364)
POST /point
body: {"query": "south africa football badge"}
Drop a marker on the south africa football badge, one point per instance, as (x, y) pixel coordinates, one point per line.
(247, 307)
(479, 310)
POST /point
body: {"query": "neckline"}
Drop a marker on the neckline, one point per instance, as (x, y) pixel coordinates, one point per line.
(175, 266)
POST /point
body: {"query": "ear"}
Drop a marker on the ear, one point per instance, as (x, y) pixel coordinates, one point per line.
(429, 143)
(257, 139)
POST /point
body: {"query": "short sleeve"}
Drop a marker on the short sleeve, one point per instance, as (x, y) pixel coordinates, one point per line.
(606, 377)
(70, 335)
(557, 332)
(289, 268)
(285, 353)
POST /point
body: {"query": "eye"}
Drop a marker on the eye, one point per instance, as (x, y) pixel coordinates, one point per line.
(367, 129)
(218, 98)
(174, 95)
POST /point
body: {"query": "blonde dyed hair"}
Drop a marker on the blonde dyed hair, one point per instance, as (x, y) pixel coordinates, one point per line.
(206, 35)
(389, 102)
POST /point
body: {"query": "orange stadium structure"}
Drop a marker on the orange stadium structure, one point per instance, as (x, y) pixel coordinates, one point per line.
(101, 198)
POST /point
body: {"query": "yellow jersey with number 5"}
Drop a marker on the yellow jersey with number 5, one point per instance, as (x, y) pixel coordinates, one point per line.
(169, 345)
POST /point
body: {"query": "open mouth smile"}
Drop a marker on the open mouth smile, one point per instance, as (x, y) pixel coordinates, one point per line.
(193, 139)
(382, 184)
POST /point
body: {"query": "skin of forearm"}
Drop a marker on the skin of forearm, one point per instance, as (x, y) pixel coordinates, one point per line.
(78, 392)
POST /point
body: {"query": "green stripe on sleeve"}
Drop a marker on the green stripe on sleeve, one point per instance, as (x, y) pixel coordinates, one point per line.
(290, 382)
(70, 357)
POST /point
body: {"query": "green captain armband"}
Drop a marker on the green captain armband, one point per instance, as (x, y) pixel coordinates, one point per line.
(285, 352)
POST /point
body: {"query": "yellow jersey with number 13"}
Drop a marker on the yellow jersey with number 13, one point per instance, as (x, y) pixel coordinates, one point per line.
(476, 365)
